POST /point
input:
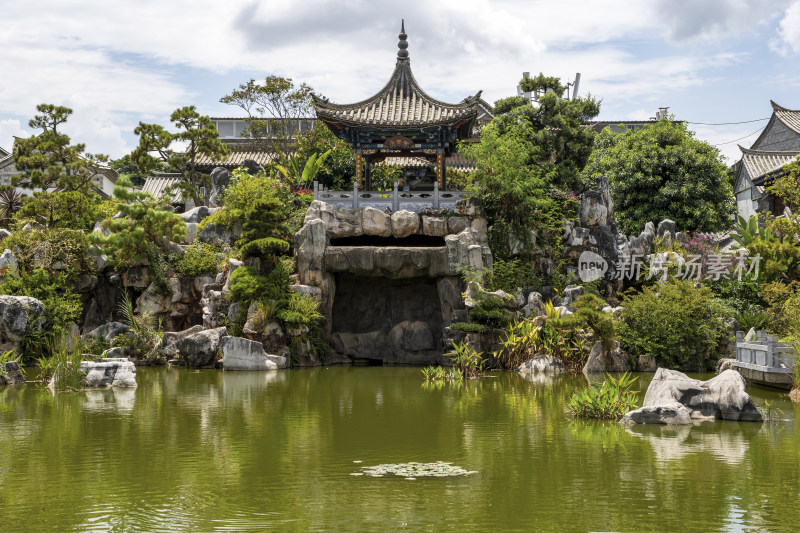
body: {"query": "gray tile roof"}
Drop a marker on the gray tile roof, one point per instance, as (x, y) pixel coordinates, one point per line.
(235, 159)
(158, 184)
(760, 163)
(790, 117)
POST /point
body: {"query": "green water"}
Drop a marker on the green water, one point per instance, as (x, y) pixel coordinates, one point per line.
(223, 451)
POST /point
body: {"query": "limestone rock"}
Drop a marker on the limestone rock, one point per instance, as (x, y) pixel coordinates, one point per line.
(596, 205)
(4, 233)
(571, 294)
(666, 226)
(170, 340)
(534, 305)
(724, 364)
(376, 222)
(197, 214)
(613, 360)
(199, 350)
(19, 315)
(672, 413)
(110, 330)
(11, 374)
(404, 223)
(109, 373)
(244, 354)
(308, 290)
(434, 226)
(646, 363)
(723, 397)
(135, 277)
(456, 224)
(542, 364)
(8, 265)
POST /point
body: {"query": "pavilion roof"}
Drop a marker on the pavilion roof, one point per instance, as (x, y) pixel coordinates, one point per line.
(401, 102)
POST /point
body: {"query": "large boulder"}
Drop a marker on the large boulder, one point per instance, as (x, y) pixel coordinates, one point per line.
(11, 374)
(199, 350)
(404, 223)
(109, 373)
(376, 222)
(723, 397)
(243, 354)
(602, 360)
(170, 340)
(197, 214)
(19, 315)
(542, 364)
(110, 330)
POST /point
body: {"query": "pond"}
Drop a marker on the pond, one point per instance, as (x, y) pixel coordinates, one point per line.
(225, 451)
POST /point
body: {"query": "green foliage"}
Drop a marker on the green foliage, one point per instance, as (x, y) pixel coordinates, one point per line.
(663, 171)
(530, 337)
(199, 259)
(786, 187)
(466, 361)
(438, 374)
(339, 167)
(470, 327)
(739, 296)
(492, 318)
(504, 105)
(73, 209)
(200, 137)
(144, 338)
(142, 232)
(61, 306)
(677, 323)
(45, 248)
(510, 275)
(65, 365)
(589, 314)
(248, 286)
(609, 400)
(747, 231)
(263, 207)
(7, 357)
(303, 176)
(758, 320)
(127, 168)
(48, 160)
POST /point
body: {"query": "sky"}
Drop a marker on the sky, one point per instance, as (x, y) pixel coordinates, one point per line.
(116, 63)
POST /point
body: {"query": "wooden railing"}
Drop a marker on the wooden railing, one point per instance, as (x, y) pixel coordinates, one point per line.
(396, 199)
(765, 353)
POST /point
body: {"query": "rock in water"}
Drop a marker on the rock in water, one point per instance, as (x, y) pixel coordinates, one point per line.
(602, 360)
(723, 397)
(199, 350)
(243, 354)
(109, 373)
(11, 374)
(542, 364)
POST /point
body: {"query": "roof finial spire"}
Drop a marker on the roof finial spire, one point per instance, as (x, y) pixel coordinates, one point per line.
(402, 53)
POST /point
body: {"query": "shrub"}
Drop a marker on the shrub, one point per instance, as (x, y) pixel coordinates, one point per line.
(44, 248)
(611, 399)
(510, 275)
(589, 314)
(677, 323)
(61, 306)
(469, 327)
(527, 338)
(143, 338)
(200, 258)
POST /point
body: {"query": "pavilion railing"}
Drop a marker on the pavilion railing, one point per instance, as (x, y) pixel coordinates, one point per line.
(396, 199)
(765, 353)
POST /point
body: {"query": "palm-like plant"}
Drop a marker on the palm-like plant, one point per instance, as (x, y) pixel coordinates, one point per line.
(747, 231)
(309, 171)
(10, 202)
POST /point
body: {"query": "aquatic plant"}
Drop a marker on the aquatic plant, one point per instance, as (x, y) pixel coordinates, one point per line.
(415, 470)
(610, 399)
(466, 361)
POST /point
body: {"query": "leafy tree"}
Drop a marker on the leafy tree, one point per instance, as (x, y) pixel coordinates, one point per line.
(556, 128)
(663, 171)
(340, 165)
(48, 160)
(677, 323)
(72, 209)
(142, 233)
(127, 167)
(787, 186)
(274, 108)
(199, 135)
(262, 206)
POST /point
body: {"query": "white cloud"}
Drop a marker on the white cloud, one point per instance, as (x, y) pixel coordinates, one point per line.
(10, 128)
(789, 31)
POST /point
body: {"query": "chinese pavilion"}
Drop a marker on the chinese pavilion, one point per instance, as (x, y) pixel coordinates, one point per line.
(401, 120)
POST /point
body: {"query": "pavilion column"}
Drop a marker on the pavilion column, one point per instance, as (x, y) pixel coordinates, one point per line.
(368, 175)
(440, 170)
(359, 168)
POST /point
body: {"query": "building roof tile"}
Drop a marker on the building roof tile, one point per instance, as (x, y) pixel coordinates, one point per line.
(760, 163)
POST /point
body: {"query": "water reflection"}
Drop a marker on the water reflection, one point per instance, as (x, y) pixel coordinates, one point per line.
(725, 441)
(120, 400)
